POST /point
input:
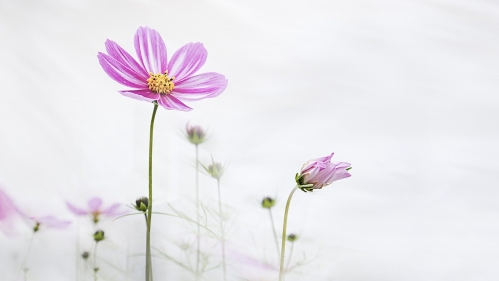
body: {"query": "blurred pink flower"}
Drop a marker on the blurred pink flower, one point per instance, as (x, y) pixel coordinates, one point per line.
(153, 78)
(8, 212)
(49, 222)
(320, 172)
(95, 209)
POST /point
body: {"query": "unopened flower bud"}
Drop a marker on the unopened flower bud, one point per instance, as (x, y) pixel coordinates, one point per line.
(268, 202)
(216, 170)
(292, 238)
(195, 134)
(320, 172)
(36, 227)
(141, 204)
(99, 235)
(85, 255)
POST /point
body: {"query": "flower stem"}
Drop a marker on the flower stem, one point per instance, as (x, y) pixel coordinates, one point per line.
(197, 215)
(284, 226)
(275, 233)
(222, 237)
(290, 254)
(149, 209)
(95, 261)
(24, 268)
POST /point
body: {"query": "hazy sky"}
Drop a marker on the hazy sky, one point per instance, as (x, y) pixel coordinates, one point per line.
(406, 91)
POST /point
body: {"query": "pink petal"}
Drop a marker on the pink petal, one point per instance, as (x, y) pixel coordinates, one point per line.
(50, 221)
(143, 94)
(77, 211)
(151, 50)
(206, 85)
(170, 102)
(113, 210)
(121, 73)
(187, 60)
(122, 56)
(94, 204)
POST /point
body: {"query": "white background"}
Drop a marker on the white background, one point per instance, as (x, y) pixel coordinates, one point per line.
(406, 91)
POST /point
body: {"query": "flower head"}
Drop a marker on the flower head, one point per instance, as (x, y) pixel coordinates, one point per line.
(153, 78)
(8, 212)
(95, 209)
(268, 202)
(320, 172)
(195, 134)
(49, 222)
(216, 170)
(292, 237)
(99, 235)
(141, 204)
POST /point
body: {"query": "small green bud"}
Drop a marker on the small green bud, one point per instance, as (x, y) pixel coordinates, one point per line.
(292, 238)
(141, 204)
(36, 227)
(85, 255)
(268, 202)
(99, 235)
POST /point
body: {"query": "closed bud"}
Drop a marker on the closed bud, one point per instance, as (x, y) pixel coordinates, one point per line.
(99, 235)
(195, 134)
(317, 173)
(292, 238)
(268, 202)
(141, 204)
(85, 255)
(216, 170)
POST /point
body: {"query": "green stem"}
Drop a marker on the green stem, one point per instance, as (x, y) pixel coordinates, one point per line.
(149, 209)
(284, 226)
(197, 214)
(290, 254)
(23, 268)
(275, 233)
(95, 261)
(222, 237)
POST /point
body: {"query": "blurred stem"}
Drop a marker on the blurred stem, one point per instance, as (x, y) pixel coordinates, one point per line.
(149, 209)
(149, 257)
(95, 261)
(275, 233)
(24, 269)
(222, 236)
(197, 215)
(290, 254)
(284, 226)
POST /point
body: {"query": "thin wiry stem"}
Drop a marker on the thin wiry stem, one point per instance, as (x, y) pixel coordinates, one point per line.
(275, 233)
(198, 236)
(290, 254)
(222, 237)
(284, 226)
(95, 261)
(23, 268)
(149, 209)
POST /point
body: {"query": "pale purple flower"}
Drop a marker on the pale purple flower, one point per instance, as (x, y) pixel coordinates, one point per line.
(8, 214)
(95, 209)
(320, 172)
(153, 78)
(48, 222)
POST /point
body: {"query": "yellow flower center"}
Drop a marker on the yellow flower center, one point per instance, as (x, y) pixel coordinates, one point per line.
(160, 83)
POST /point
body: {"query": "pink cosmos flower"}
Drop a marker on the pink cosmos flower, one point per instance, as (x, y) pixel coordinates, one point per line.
(8, 212)
(95, 209)
(320, 172)
(49, 222)
(153, 78)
